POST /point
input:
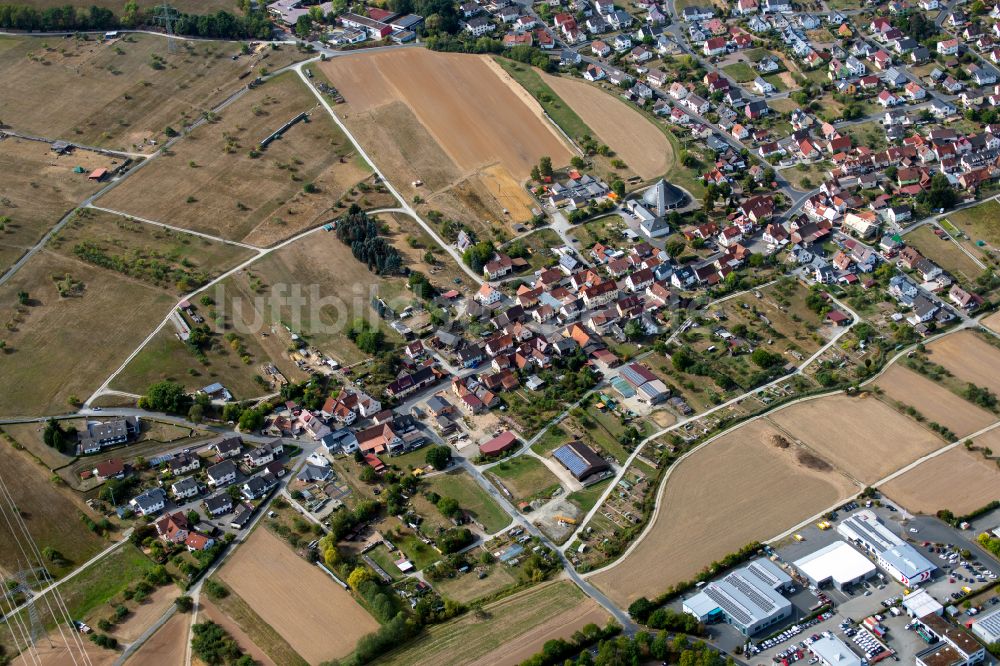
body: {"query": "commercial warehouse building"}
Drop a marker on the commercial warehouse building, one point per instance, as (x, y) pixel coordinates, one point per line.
(748, 598)
(898, 558)
(649, 387)
(920, 603)
(987, 627)
(838, 564)
(832, 651)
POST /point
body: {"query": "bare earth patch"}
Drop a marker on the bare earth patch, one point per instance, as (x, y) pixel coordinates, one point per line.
(863, 436)
(715, 502)
(968, 357)
(167, 646)
(634, 139)
(145, 614)
(958, 480)
(936, 403)
(296, 598)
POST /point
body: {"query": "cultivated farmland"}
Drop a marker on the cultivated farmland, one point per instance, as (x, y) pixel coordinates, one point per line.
(934, 402)
(167, 646)
(118, 94)
(958, 480)
(58, 346)
(455, 122)
(212, 183)
(863, 436)
(209, 612)
(532, 616)
(969, 358)
(297, 599)
(719, 499)
(634, 138)
(39, 188)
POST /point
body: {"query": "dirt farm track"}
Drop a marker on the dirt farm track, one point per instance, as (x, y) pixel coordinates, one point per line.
(297, 599)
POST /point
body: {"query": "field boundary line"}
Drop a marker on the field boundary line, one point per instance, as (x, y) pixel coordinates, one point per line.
(172, 227)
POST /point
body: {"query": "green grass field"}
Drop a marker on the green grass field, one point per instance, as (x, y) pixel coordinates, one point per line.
(980, 222)
(740, 71)
(945, 253)
(461, 487)
(526, 477)
(103, 580)
(417, 551)
(586, 499)
(559, 111)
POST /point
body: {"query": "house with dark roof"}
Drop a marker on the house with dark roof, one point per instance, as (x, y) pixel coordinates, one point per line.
(582, 462)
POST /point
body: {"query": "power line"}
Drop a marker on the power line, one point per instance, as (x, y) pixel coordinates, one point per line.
(167, 15)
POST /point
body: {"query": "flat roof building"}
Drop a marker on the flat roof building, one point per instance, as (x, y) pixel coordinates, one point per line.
(987, 627)
(921, 604)
(955, 646)
(748, 598)
(838, 564)
(898, 558)
(834, 652)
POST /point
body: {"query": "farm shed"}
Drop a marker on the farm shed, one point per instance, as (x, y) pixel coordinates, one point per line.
(502, 442)
(581, 461)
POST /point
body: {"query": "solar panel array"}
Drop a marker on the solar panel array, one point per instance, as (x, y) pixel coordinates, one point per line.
(872, 532)
(763, 574)
(729, 605)
(751, 593)
(573, 461)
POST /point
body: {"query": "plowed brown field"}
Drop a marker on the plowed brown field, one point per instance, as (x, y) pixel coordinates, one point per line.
(968, 357)
(958, 480)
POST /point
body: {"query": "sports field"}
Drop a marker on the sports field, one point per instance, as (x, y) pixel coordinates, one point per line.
(111, 94)
(58, 346)
(633, 137)
(863, 436)
(719, 499)
(296, 598)
(969, 358)
(39, 188)
(210, 182)
(505, 631)
(934, 402)
(958, 480)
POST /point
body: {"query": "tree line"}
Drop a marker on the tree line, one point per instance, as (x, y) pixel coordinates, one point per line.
(221, 24)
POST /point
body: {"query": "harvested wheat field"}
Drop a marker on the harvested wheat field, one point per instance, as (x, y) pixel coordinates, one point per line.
(635, 139)
(121, 93)
(52, 651)
(475, 116)
(958, 480)
(862, 436)
(719, 499)
(39, 188)
(969, 358)
(992, 322)
(936, 403)
(210, 182)
(167, 646)
(58, 346)
(145, 615)
(296, 598)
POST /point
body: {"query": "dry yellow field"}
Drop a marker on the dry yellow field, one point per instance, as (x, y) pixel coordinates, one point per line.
(58, 346)
(296, 598)
(936, 403)
(475, 116)
(716, 501)
(39, 188)
(968, 357)
(992, 322)
(166, 646)
(109, 93)
(634, 139)
(958, 480)
(863, 436)
(210, 183)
